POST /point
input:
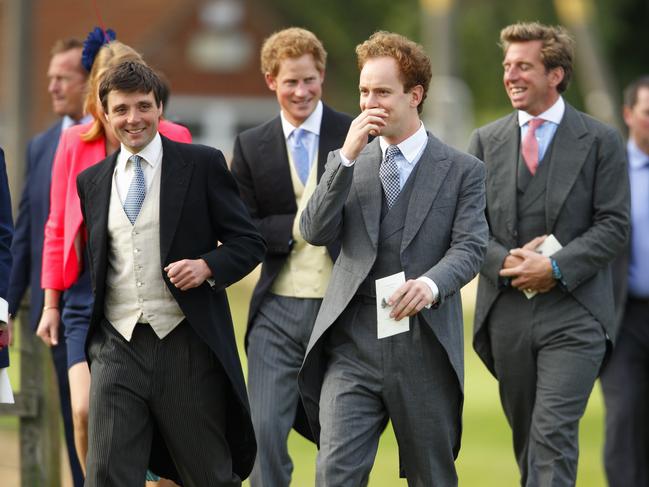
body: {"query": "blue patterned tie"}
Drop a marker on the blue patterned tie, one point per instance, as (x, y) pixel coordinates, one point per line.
(136, 192)
(300, 154)
(389, 174)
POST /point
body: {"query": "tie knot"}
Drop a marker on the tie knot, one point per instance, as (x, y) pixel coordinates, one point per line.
(535, 123)
(135, 160)
(298, 136)
(391, 152)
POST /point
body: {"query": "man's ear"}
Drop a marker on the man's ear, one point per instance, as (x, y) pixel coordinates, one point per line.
(416, 95)
(556, 76)
(271, 81)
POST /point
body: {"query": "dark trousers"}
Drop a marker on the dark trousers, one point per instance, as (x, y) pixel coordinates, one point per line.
(547, 354)
(175, 385)
(625, 383)
(406, 378)
(276, 347)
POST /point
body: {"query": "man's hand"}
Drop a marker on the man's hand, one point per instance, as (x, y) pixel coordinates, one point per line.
(514, 260)
(48, 327)
(533, 273)
(369, 122)
(6, 339)
(410, 299)
(188, 273)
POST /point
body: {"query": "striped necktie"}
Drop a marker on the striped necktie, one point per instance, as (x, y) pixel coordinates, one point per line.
(136, 191)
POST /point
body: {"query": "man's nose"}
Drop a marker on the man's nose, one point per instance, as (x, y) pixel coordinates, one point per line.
(52, 86)
(301, 89)
(133, 116)
(371, 101)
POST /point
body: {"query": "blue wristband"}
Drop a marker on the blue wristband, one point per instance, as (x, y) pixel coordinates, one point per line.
(556, 272)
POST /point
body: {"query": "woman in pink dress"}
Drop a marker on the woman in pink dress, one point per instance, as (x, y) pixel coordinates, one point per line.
(65, 276)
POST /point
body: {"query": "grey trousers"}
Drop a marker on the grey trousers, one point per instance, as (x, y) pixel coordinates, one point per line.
(625, 383)
(406, 378)
(175, 383)
(547, 354)
(276, 347)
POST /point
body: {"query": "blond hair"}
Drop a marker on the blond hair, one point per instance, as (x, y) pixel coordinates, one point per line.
(293, 42)
(557, 47)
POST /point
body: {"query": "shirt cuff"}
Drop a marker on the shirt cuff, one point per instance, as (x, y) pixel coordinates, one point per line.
(345, 162)
(4, 310)
(433, 287)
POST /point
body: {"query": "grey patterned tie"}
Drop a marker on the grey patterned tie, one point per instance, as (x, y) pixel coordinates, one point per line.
(136, 191)
(389, 174)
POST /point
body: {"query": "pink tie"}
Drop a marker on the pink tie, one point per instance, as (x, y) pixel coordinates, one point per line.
(530, 145)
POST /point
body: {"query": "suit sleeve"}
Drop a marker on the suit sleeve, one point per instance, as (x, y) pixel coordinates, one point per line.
(276, 229)
(593, 250)
(242, 247)
(6, 233)
(322, 219)
(496, 251)
(469, 236)
(21, 245)
(52, 267)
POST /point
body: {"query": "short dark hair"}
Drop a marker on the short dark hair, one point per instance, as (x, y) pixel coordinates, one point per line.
(65, 45)
(631, 91)
(130, 77)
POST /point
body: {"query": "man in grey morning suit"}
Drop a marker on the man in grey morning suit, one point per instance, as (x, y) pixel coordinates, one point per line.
(625, 379)
(567, 179)
(428, 221)
(294, 275)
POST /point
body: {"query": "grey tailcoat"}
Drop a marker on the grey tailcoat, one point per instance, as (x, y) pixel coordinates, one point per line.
(586, 208)
(444, 238)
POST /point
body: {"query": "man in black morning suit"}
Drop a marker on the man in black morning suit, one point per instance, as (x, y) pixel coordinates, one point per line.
(277, 166)
(161, 345)
(67, 85)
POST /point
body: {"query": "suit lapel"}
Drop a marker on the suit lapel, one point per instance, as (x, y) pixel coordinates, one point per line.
(276, 172)
(501, 180)
(174, 181)
(571, 146)
(433, 168)
(331, 132)
(368, 188)
(98, 206)
(52, 144)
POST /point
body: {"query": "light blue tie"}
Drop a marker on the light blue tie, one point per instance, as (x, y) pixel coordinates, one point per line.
(136, 192)
(389, 174)
(300, 154)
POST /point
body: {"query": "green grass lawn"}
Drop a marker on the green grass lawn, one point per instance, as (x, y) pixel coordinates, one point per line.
(486, 458)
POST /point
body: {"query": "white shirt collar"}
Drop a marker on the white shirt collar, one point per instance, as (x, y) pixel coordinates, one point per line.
(312, 122)
(68, 121)
(553, 114)
(152, 153)
(411, 147)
